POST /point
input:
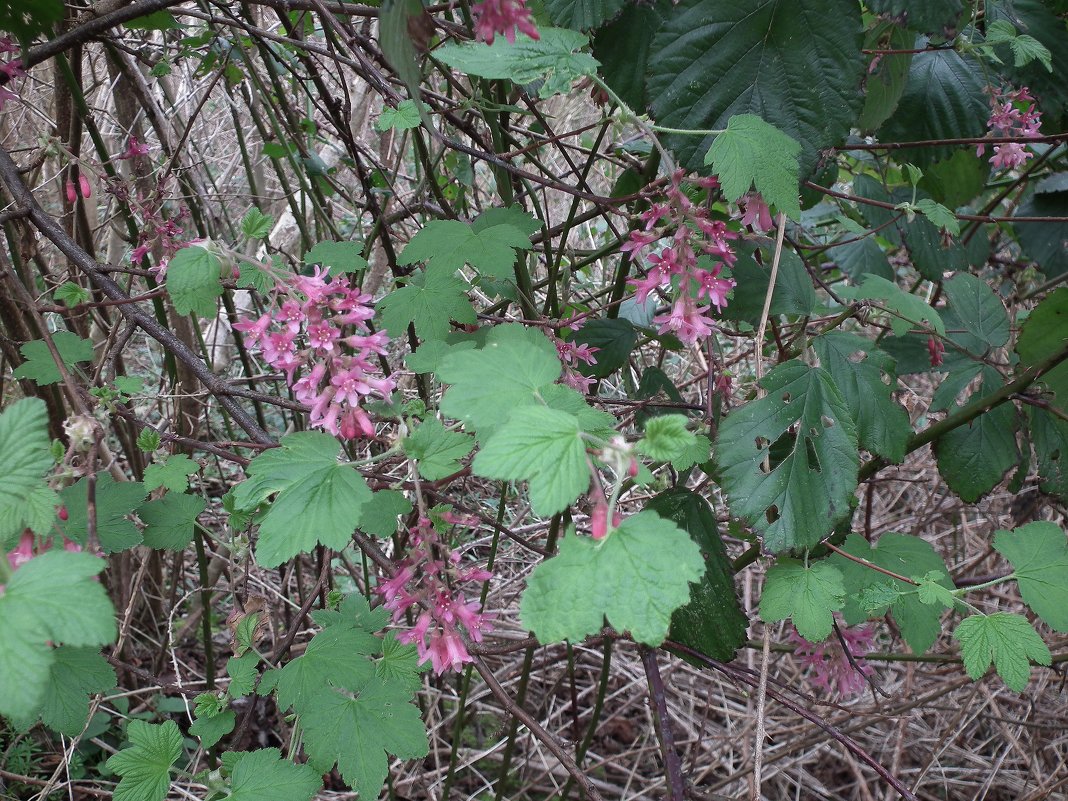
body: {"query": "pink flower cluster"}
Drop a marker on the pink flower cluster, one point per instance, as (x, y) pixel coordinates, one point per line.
(28, 548)
(10, 69)
(502, 16)
(427, 582)
(828, 665)
(320, 329)
(1013, 114)
(572, 355)
(692, 231)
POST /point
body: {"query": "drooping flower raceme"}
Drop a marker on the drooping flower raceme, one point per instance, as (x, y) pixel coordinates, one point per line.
(428, 583)
(502, 16)
(695, 279)
(571, 355)
(829, 667)
(319, 329)
(1013, 114)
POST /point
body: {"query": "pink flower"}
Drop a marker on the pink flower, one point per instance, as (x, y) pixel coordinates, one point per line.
(829, 667)
(710, 285)
(757, 214)
(1013, 115)
(84, 188)
(23, 552)
(502, 16)
(134, 149)
(686, 320)
(935, 349)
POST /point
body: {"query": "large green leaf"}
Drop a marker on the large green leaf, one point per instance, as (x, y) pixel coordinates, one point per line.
(431, 300)
(1039, 556)
(636, 577)
(919, 623)
(793, 293)
(713, 621)
(555, 57)
(1043, 242)
(751, 153)
(145, 766)
(544, 447)
(40, 365)
(861, 257)
(114, 502)
(882, 424)
(264, 776)
(318, 498)
(943, 99)
(449, 244)
(77, 673)
(614, 340)
(924, 16)
(26, 501)
(193, 281)
(795, 63)
(978, 308)
(1044, 334)
(801, 498)
(53, 599)
(1007, 640)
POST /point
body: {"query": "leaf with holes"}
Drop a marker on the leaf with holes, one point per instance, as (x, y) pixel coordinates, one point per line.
(800, 499)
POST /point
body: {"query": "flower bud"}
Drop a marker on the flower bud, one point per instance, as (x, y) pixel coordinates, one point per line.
(63, 514)
(599, 519)
(84, 187)
(72, 193)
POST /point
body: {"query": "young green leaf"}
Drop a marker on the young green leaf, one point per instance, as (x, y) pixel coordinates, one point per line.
(636, 577)
(380, 513)
(1005, 639)
(489, 384)
(148, 440)
(76, 674)
(26, 501)
(752, 152)
(337, 257)
(803, 496)
(145, 766)
(904, 555)
(666, 437)
(172, 474)
(242, 673)
(264, 776)
(544, 447)
(810, 595)
(552, 57)
(255, 224)
(436, 450)
(41, 368)
(193, 281)
(447, 245)
(115, 502)
(1038, 553)
(71, 294)
(431, 301)
(169, 520)
(931, 592)
(938, 214)
(212, 729)
(402, 118)
(318, 498)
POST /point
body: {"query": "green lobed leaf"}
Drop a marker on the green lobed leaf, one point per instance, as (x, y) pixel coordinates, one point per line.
(1037, 19)
(436, 450)
(754, 153)
(264, 776)
(169, 521)
(938, 214)
(543, 447)
(25, 455)
(242, 672)
(28, 18)
(334, 657)
(447, 245)
(712, 621)
(1005, 639)
(906, 310)
(666, 437)
(614, 340)
(977, 307)
(431, 301)
(40, 366)
(643, 572)
(173, 473)
(905, 555)
(553, 57)
(145, 765)
(490, 383)
(71, 294)
(794, 63)
(193, 281)
(380, 513)
(255, 224)
(212, 729)
(115, 501)
(883, 426)
(338, 257)
(1038, 553)
(810, 595)
(402, 118)
(808, 492)
(318, 498)
(76, 674)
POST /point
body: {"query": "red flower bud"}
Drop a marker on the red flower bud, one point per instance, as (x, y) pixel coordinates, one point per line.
(617, 520)
(84, 187)
(72, 193)
(632, 468)
(599, 519)
(62, 513)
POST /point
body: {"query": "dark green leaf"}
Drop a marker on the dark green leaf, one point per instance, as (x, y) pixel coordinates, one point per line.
(793, 294)
(115, 501)
(886, 82)
(1049, 435)
(614, 340)
(861, 257)
(1044, 334)
(1043, 242)
(923, 16)
(795, 63)
(978, 308)
(623, 48)
(1035, 18)
(808, 492)
(582, 15)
